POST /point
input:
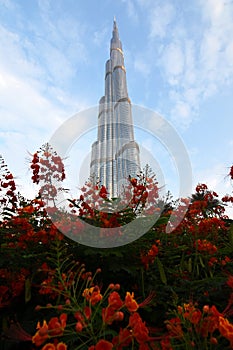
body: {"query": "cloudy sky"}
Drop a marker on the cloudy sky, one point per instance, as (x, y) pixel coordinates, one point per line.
(179, 62)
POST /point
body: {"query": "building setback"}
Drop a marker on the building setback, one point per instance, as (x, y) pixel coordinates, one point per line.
(115, 154)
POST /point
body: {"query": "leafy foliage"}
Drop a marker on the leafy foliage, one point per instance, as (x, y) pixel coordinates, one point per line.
(162, 291)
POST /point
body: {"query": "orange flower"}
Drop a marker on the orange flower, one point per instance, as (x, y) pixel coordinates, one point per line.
(56, 326)
(49, 346)
(114, 300)
(130, 302)
(61, 346)
(92, 294)
(41, 335)
(226, 329)
(205, 246)
(195, 316)
(192, 313)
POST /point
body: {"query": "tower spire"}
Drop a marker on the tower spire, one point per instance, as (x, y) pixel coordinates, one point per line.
(115, 154)
(115, 34)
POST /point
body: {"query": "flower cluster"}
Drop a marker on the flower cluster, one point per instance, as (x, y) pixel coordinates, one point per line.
(8, 197)
(86, 315)
(208, 323)
(55, 327)
(231, 172)
(48, 171)
(92, 295)
(35, 168)
(205, 246)
(149, 257)
(43, 269)
(52, 346)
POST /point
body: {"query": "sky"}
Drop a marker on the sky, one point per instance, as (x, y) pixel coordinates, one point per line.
(179, 63)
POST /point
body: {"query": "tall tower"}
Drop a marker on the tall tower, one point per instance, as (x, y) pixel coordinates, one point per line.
(115, 154)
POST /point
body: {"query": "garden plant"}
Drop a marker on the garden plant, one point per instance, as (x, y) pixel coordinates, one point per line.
(161, 291)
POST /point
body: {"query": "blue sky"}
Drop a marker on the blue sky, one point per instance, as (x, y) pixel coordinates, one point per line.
(179, 62)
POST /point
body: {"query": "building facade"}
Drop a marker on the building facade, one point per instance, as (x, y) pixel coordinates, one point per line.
(115, 154)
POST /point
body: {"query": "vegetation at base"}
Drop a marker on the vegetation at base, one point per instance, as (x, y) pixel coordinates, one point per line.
(161, 291)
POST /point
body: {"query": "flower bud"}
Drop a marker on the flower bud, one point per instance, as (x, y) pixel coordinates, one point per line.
(206, 309)
(78, 327)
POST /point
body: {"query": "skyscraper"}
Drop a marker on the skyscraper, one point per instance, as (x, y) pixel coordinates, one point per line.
(115, 154)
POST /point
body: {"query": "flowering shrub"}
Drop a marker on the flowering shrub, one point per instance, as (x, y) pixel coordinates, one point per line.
(140, 197)
(85, 312)
(166, 290)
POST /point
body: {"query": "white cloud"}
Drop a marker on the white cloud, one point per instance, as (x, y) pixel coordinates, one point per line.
(7, 4)
(181, 112)
(131, 9)
(195, 64)
(141, 66)
(161, 15)
(172, 61)
(100, 36)
(33, 99)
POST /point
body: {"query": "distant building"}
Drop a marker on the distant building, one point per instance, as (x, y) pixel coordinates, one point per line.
(115, 154)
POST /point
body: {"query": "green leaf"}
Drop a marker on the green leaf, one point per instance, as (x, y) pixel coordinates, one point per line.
(161, 271)
(190, 265)
(201, 261)
(28, 295)
(231, 236)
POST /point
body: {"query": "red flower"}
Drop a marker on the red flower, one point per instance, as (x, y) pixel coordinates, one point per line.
(102, 345)
(61, 346)
(130, 302)
(41, 335)
(92, 294)
(114, 300)
(133, 182)
(124, 338)
(174, 327)
(226, 329)
(108, 315)
(144, 347)
(205, 246)
(87, 312)
(211, 322)
(103, 192)
(9, 177)
(231, 172)
(56, 326)
(195, 316)
(230, 282)
(166, 344)
(149, 258)
(78, 327)
(49, 346)
(140, 331)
